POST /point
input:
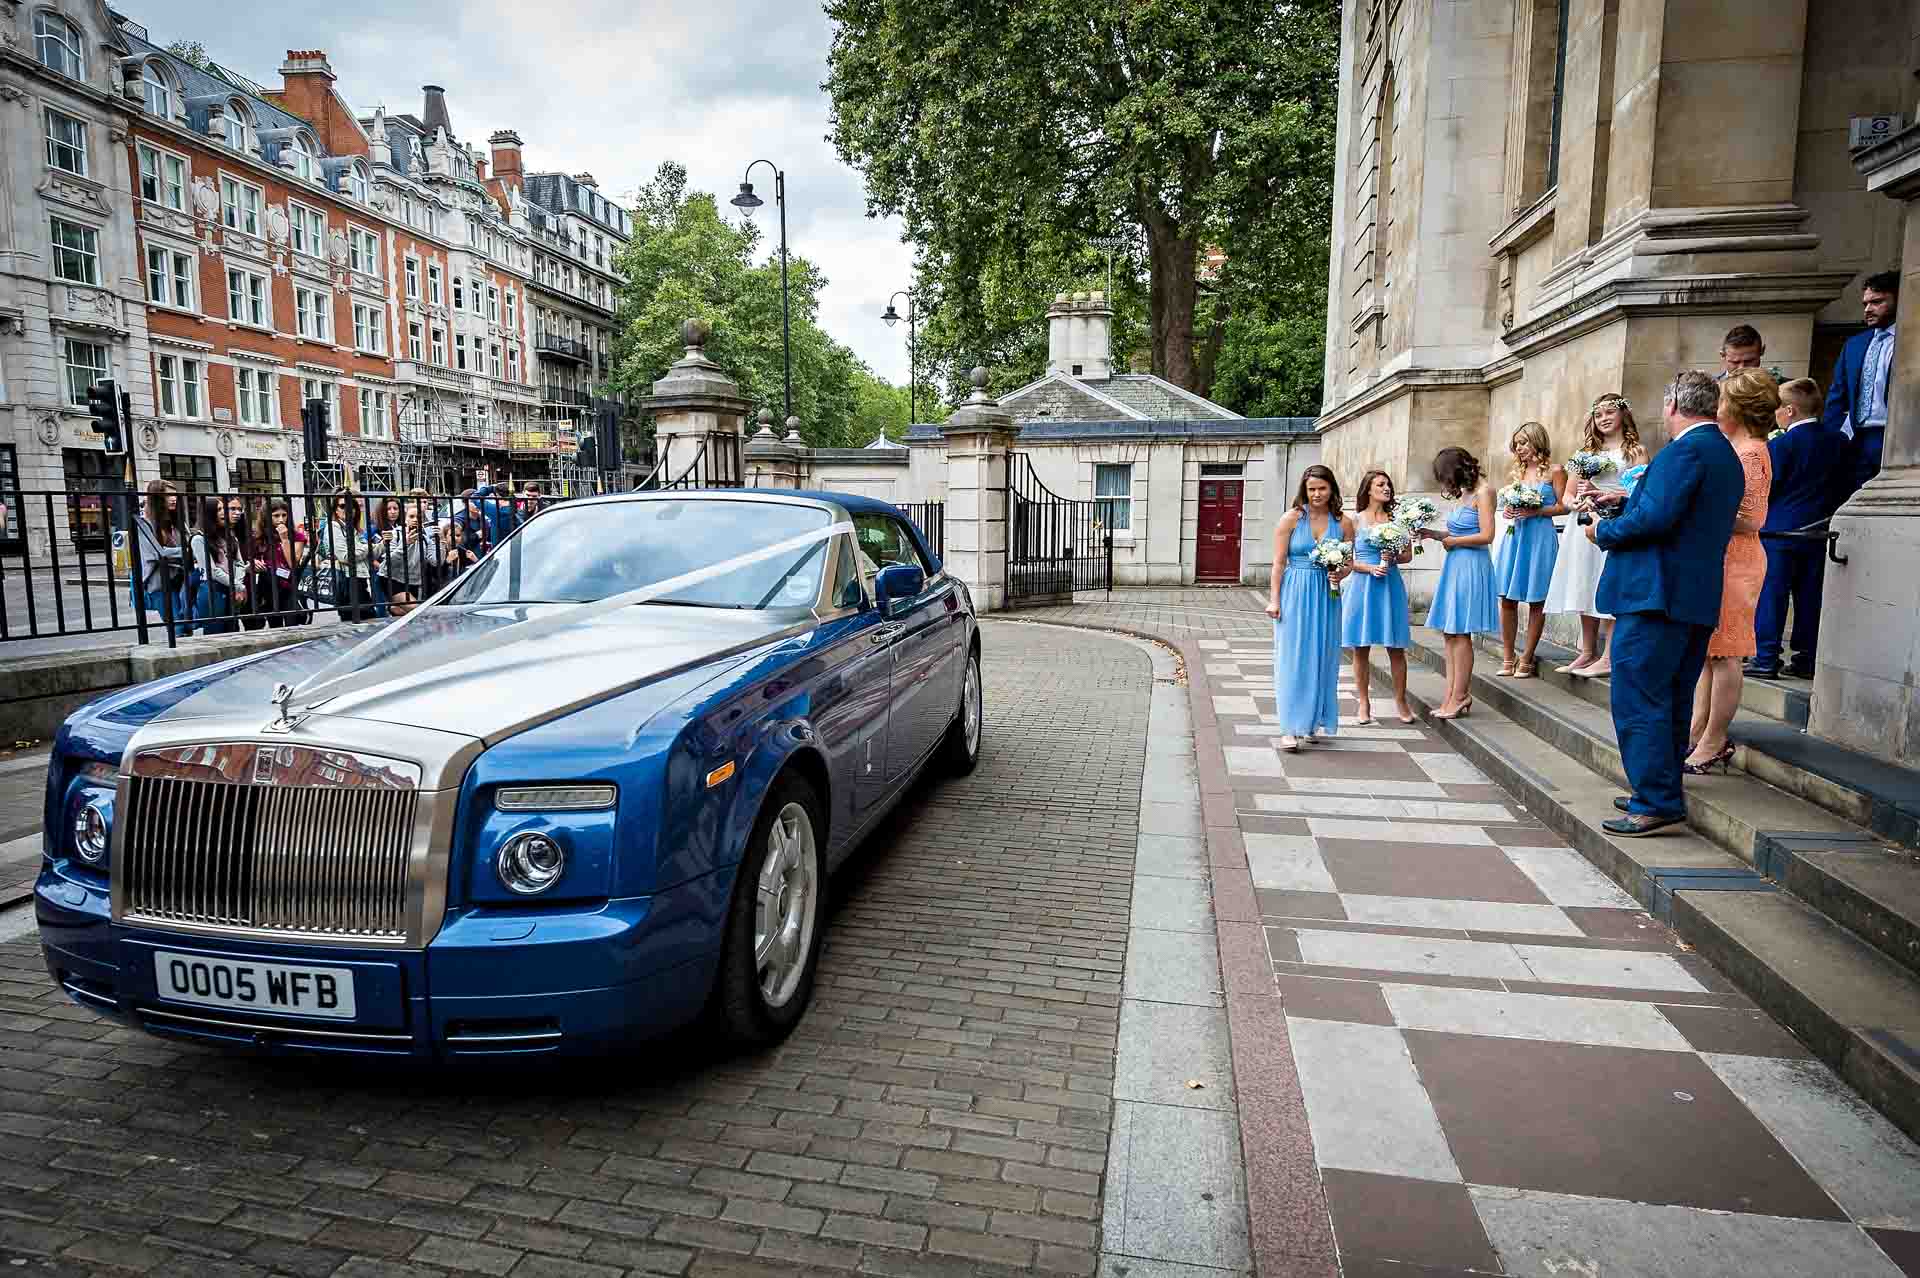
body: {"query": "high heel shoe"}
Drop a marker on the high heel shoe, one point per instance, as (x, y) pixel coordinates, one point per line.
(1505, 671)
(1290, 744)
(1578, 666)
(1527, 670)
(1723, 761)
(1465, 707)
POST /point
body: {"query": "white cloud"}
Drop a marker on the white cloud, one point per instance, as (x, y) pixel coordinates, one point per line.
(613, 88)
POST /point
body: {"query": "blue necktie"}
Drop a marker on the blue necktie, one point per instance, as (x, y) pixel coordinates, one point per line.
(1870, 373)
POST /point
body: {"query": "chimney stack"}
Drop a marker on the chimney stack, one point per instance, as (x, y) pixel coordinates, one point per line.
(506, 156)
(1079, 336)
(586, 179)
(434, 113)
(306, 62)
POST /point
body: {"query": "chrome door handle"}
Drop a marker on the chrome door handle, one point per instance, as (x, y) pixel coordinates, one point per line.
(885, 635)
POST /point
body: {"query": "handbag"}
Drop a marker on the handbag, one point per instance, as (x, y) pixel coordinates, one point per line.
(319, 584)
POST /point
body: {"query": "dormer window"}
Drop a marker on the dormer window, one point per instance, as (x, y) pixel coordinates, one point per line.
(302, 156)
(238, 125)
(58, 45)
(158, 90)
(357, 185)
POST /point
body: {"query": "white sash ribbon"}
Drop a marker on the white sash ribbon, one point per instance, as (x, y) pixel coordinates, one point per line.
(350, 671)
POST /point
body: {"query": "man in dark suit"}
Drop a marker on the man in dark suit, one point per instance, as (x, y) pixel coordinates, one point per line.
(1802, 456)
(1855, 420)
(1666, 553)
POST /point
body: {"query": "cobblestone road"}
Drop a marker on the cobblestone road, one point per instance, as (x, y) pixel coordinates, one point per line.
(943, 1109)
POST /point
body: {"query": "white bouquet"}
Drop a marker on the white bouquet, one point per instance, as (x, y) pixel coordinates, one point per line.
(1389, 538)
(1519, 497)
(1590, 466)
(1413, 514)
(1331, 554)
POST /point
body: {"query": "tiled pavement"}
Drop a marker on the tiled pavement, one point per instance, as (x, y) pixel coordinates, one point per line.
(977, 1045)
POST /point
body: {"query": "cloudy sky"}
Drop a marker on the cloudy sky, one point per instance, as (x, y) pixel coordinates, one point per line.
(610, 87)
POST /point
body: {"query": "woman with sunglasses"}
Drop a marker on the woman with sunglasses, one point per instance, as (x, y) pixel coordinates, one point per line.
(341, 552)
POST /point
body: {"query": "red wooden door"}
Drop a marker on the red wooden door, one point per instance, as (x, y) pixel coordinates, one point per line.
(1217, 558)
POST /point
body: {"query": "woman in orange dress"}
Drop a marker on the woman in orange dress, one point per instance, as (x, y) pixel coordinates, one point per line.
(1747, 403)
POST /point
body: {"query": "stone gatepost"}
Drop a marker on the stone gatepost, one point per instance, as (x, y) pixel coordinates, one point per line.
(1869, 664)
(979, 440)
(773, 462)
(697, 415)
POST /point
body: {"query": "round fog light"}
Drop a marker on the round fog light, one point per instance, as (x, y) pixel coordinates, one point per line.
(90, 834)
(531, 863)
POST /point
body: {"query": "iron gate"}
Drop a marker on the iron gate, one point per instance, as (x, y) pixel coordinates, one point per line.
(1055, 546)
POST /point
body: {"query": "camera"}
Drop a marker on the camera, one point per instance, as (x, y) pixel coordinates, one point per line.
(1584, 518)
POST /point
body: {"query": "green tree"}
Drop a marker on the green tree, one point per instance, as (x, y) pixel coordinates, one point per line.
(685, 261)
(994, 125)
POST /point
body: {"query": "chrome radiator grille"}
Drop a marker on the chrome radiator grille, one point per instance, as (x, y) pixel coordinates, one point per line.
(261, 855)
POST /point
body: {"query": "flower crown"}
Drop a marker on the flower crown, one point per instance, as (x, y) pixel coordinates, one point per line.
(1610, 399)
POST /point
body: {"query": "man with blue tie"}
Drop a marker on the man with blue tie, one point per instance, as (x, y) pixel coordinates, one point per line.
(1802, 459)
(1667, 552)
(1855, 420)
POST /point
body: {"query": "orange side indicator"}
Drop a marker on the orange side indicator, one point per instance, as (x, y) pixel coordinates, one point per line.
(722, 773)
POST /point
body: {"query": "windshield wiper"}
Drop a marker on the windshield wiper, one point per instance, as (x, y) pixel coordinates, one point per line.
(686, 603)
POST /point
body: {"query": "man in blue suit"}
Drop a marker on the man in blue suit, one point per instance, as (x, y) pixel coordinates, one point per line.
(1666, 552)
(1855, 420)
(1802, 456)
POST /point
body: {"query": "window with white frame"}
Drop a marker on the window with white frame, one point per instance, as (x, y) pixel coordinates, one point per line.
(413, 278)
(253, 395)
(513, 363)
(440, 347)
(433, 283)
(302, 150)
(159, 93)
(363, 248)
(511, 322)
(312, 388)
(313, 313)
(163, 178)
(76, 252)
(493, 360)
(238, 124)
(66, 143)
(376, 413)
(182, 392)
(369, 325)
(170, 277)
(1113, 495)
(85, 363)
(460, 350)
(355, 179)
(59, 46)
(493, 304)
(240, 205)
(459, 292)
(308, 229)
(247, 298)
(416, 341)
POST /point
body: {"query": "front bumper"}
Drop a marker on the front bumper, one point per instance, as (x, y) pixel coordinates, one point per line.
(495, 982)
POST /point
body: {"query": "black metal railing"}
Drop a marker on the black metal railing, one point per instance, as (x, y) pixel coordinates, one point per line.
(563, 347)
(931, 517)
(1055, 545)
(566, 395)
(705, 461)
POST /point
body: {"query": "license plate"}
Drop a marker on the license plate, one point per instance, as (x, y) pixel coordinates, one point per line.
(258, 987)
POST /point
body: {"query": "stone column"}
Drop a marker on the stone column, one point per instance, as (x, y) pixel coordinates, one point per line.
(979, 438)
(695, 406)
(1869, 663)
(773, 462)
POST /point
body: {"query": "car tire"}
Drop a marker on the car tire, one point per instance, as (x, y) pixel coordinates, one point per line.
(961, 749)
(764, 983)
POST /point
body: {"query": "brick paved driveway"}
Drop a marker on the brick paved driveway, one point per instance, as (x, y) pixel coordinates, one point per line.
(943, 1109)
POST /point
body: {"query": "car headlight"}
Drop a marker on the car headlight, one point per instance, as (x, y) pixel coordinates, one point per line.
(554, 798)
(92, 835)
(530, 863)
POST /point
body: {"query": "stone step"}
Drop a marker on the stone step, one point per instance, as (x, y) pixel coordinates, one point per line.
(1784, 700)
(1732, 810)
(1847, 1000)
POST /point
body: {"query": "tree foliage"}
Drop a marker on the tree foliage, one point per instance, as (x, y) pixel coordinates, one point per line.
(685, 261)
(1005, 132)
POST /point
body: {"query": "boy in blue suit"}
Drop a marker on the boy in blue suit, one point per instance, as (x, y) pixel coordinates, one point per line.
(1802, 455)
(1667, 552)
(1855, 420)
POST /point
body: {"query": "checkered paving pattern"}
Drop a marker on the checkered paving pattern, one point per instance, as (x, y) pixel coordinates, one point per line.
(1506, 1065)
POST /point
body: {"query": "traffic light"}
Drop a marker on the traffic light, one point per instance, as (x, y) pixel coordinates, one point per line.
(313, 429)
(111, 413)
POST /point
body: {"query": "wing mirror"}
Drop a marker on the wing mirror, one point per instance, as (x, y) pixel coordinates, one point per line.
(897, 582)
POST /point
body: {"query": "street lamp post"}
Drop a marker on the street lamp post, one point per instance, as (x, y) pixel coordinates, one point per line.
(746, 201)
(892, 317)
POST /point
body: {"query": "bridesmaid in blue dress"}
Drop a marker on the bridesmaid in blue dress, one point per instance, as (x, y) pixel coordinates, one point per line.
(1306, 612)
(1463, 600)
(1525, 567)
(1375, 608)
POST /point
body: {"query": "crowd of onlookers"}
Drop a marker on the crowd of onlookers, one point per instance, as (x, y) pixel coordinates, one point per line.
(1682, 567)
(213, 564)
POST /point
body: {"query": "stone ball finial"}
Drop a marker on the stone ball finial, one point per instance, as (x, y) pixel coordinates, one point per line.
(765, 422)
(695, 332)
(793, 430)
(978, 377)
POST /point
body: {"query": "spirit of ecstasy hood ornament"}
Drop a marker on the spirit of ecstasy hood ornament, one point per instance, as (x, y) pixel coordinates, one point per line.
(284, 722)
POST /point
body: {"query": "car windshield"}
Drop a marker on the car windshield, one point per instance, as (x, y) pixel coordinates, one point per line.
(592, 550)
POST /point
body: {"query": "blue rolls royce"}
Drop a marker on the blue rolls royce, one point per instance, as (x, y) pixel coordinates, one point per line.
(591, 792)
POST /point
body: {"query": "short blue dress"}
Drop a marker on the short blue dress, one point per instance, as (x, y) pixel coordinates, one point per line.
(1306, 641)
(1374, 609)
(1463, 601)
(1525, 568)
